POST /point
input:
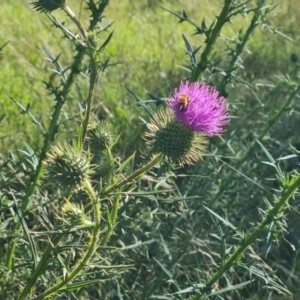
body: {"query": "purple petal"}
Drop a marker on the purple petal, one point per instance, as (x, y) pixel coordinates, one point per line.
(205, 112)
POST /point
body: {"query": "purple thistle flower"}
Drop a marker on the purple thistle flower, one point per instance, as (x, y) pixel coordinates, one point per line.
(200, 107)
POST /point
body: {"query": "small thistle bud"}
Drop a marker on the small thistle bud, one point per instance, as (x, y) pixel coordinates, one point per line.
(73, 215)
(47, 6)
(93, 40)
(68, 166)
(174, 139)
(100, 137)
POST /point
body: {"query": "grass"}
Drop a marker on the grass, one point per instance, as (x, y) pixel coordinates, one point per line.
(148, 58)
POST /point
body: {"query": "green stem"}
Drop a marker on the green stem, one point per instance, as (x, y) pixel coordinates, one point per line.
(61, 99)
(112, 221)
(272, 213)
(241, 45)
(92, 246)
(93, 75)
(155, 160)
(222, 18)
(116, 202)
(11, 251)
(49, 138)
(70, 13)
(93, 80)
(36, 176)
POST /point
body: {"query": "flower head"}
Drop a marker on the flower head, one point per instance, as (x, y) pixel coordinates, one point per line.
(100, 137)
(175, 141)
(47, 6)
(67, 166)
(200, 107)
(73, 214)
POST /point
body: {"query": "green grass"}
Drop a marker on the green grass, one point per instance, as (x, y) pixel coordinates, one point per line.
(147, 46)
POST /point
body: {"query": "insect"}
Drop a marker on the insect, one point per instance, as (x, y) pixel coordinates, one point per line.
(183, 101)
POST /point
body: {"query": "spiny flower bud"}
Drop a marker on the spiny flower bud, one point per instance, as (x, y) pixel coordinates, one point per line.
(174, 139)
(93, 40)
(100, 137)
(73, 215)
(47, 6)
(68, 166)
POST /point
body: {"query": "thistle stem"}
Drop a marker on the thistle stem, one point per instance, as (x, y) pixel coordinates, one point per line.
(91, 248)
(272, 213)
(70, 13)
(93, 75)
(49, 138)
(112, 221)
(222, 18)
(155, 160)
(93, 81)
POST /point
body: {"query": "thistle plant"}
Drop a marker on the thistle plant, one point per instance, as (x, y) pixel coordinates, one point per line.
(81, 220)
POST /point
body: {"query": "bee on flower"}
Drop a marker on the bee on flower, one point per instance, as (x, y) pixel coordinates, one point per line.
(200, 107)
(179, 132)
(183, 101)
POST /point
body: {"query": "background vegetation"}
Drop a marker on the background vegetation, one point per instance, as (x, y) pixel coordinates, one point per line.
(173, 236)
(148, 58)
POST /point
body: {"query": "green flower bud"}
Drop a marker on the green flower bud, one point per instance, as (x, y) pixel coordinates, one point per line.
(100, 137)
(93, 40)
(47, 6)
(68, 166)
(73, 215)
(172, 138)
